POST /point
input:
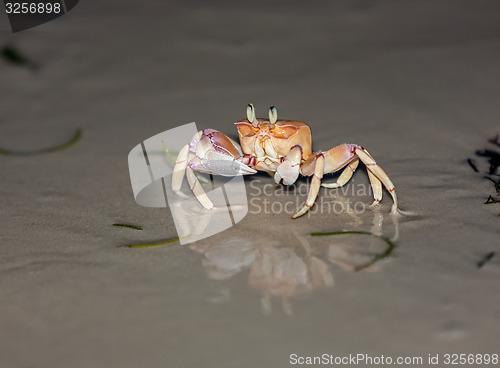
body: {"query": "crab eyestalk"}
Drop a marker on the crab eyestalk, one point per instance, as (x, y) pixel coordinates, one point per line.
(273, 116)
(251, 115)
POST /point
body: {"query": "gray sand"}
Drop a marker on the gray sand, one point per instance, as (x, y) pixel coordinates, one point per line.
(415, 82)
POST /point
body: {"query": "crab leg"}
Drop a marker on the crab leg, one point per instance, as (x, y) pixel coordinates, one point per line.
(197, 189)
(181, 163)
(345, 176)
(380, 176)
(180, 170)
(377, 188)
(319, 168)
(348, 154)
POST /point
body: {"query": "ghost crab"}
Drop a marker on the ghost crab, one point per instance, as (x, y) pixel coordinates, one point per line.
(281, 148)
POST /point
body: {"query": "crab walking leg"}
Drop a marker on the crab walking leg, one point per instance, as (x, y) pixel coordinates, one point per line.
(180, 170)
(319, 169)
(345, 176)
(377, 188)
(197, 189)
(180, 165)
(348, 154)
(377, 171)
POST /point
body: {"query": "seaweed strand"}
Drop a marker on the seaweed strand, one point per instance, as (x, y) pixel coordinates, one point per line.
(76, 137)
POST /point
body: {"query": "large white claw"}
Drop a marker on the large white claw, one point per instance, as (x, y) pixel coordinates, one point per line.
(217, 154)
(220, 164)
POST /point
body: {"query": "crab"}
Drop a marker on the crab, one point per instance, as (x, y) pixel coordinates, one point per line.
(281, 148)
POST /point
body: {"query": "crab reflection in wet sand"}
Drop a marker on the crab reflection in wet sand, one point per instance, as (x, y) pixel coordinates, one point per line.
(286, 269)
(281, 148)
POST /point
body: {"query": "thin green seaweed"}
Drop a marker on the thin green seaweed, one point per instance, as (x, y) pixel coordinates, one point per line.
(377, 257)
(169, 155)
(135, 227)
(76, 137)
(153, 244)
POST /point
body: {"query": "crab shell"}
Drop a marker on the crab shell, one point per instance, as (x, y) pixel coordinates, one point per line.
(274, 140)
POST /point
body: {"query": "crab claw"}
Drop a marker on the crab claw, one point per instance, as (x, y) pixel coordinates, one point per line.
(220, 155)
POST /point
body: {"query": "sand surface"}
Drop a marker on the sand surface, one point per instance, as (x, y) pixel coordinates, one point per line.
(415, 82)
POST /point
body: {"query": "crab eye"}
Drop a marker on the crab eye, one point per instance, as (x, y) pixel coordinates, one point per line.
(245, 130)
(284, 132)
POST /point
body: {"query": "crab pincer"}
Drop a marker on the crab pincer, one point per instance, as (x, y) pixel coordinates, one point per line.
(210, 152)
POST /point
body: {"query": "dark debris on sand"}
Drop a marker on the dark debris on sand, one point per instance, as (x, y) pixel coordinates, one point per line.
(485, 259)
(13, 56)
(494, 160)
(493, 157)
